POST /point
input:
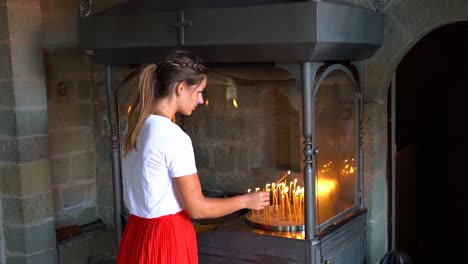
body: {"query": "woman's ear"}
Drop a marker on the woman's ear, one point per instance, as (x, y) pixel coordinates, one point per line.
(180, 86)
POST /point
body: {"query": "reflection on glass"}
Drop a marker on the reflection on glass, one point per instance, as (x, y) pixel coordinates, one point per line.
(335, 131)
(249, 134)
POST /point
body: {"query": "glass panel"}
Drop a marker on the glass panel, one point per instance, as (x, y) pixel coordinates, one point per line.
(248, 133)
(336, 131)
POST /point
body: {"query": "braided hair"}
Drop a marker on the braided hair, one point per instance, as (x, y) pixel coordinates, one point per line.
(157, 81)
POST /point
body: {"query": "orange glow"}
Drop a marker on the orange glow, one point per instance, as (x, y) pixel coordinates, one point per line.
(129, 109)
(207, 102)
(287, 201)
(324, 187)
(234, 102)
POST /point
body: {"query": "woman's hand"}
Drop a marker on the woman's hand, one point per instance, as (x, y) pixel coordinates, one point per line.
(200, 207)
(256, 200)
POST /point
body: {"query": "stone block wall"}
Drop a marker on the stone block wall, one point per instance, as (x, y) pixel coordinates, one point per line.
(101, 135)
(72, 150)
(6, 100)
(28, 227)
(78, 130)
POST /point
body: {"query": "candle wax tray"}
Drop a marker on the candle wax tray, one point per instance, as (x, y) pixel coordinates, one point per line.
(276, 218)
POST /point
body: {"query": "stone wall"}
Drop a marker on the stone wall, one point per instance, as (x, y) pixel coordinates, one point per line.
(5, 103)
(405, 23)
(72, 149)
(78, 126)
(48, 161)
(26, 196)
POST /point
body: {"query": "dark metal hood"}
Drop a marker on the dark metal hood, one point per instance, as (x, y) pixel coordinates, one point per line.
(232, 31)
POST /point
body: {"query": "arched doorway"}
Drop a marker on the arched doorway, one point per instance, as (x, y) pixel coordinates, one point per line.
(431, 88)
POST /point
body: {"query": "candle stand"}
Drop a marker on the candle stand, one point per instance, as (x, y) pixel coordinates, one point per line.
(251, 123)
(234, 241)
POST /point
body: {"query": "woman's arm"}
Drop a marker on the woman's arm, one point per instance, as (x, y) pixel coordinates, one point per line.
(200, 207)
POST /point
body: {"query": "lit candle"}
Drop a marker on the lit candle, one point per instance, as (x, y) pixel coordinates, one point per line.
(273, 188)
(266, 209)
(288, 203)
(295, 205)
(283, 213)
(256, 190)
(283, 177)
(290, 188)
(301, 203)
(295, 181)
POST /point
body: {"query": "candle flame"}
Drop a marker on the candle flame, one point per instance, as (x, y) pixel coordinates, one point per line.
(207, 102)
(129, 109)
(234, 102)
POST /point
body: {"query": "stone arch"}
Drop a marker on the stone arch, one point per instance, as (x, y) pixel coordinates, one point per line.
(405, 23)
(401, 36)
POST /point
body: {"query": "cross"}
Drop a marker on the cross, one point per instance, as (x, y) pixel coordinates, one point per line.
(180, 25)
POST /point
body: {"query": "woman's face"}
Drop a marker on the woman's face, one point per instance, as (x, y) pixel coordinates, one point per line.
(192, 97)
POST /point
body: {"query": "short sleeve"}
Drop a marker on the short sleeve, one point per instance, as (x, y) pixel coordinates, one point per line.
(181, 158)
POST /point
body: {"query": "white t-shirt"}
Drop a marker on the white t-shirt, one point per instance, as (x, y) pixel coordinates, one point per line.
(163, 151)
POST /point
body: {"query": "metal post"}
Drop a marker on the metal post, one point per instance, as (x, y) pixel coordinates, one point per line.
(114, 138)
(309, 177)
(393, 157)
(360, 80)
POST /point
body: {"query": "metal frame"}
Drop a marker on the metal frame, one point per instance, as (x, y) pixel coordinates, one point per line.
(115, 153)
(310, 81)
(313, 32)
(393, 159)
(137, 32)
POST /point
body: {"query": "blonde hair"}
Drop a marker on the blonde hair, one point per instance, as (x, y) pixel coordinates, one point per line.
(157, 81)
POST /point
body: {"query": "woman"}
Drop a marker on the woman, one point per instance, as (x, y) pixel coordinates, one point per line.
(161, 186)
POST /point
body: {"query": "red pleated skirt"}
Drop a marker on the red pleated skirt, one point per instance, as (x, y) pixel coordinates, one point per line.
(168, 239)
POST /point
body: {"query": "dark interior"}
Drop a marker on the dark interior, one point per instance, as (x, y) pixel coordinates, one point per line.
(431, 140)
